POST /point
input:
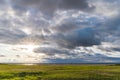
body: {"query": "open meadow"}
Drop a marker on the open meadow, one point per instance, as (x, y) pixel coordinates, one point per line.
(59, 72)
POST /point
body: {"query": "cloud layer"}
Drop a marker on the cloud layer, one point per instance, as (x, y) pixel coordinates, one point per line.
(65, 30)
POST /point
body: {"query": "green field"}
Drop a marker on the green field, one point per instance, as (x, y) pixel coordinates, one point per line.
(59, 72)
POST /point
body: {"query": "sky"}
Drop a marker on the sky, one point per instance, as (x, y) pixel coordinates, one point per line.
(59, 31)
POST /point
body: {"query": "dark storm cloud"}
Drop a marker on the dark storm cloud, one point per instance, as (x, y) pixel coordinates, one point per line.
(65, 61)
(109, 31)
(50, 6)
(66, 26)
(82, 37)
(112, 25)
(97, 58)
(116, 49)
(86, 60)
(11, 36)
(45, 6)
(51, 51)
(78, 4)
(2, 2)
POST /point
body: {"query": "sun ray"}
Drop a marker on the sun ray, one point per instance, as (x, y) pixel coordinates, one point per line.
(27, 48)
(30, 47)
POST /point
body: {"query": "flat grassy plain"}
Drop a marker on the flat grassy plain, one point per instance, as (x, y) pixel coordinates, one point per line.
(59, 72)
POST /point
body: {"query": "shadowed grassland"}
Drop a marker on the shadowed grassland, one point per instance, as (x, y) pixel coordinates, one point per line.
(59, 72)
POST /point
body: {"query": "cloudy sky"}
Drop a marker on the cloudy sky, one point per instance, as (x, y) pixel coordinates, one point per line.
(59, 31)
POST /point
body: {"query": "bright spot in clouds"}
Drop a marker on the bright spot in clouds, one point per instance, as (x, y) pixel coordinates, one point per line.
(28, 31)
(26, 48)
(29, 47)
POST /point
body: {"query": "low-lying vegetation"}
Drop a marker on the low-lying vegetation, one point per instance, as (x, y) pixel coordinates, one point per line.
(59, 72)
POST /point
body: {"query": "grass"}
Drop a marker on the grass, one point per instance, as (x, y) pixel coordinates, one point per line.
(59, 72)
